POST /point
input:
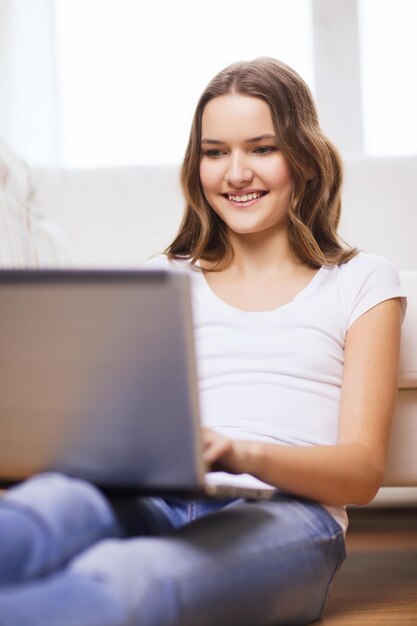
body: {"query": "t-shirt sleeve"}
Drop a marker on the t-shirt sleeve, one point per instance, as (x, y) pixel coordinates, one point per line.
(369, 280)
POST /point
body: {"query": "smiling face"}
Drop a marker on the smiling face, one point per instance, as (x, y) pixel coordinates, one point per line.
(245, 178)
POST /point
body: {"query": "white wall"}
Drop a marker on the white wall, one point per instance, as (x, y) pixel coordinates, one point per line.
(28, 102)
(86, 83)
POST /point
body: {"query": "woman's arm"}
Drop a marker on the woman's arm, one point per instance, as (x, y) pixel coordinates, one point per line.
(352, 470)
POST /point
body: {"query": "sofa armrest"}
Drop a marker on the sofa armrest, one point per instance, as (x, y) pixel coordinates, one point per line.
(408, 359)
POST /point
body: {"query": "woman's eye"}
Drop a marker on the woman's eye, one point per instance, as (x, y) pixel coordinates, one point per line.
(265, 149)
(213, 154)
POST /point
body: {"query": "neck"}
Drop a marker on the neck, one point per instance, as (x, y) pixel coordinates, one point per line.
(265, 251)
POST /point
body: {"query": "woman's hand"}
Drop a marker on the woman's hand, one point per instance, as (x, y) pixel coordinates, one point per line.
(227, 455)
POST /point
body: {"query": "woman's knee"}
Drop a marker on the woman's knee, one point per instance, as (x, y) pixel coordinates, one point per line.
(47, 520)
(54, 496)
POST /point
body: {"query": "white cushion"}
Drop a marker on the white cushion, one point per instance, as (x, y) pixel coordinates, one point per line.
(402, 457)
(113, 217)
(379, 207)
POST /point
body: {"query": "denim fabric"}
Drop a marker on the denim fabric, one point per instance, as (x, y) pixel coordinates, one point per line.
(70, 557)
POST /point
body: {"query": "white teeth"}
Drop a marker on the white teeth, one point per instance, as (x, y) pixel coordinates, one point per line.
(245, 197)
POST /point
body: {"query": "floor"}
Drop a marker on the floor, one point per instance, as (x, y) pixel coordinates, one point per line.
(377, 585)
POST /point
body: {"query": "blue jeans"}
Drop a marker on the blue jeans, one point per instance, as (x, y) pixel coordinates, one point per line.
(71, 557)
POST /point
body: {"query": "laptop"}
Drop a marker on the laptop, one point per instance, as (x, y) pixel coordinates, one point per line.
(98, 381)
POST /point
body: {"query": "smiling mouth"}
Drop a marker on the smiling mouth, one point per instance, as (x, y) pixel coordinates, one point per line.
(245, 197)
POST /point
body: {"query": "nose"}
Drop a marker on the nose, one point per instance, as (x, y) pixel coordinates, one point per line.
(239, 171)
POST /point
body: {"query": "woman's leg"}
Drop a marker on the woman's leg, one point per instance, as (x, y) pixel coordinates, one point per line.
(263, 563)
(48, 519)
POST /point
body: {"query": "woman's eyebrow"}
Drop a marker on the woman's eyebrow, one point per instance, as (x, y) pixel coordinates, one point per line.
(217, 142)
(260, 137)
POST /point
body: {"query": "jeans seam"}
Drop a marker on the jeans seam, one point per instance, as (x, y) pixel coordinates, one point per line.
(191, 511)
(331, 578)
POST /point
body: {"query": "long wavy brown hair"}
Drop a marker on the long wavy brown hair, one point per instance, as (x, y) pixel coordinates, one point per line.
(316, 167)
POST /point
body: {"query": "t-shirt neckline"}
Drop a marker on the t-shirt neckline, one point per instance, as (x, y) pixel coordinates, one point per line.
(215, 300)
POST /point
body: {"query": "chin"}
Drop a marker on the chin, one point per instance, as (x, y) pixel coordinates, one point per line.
(240, 229)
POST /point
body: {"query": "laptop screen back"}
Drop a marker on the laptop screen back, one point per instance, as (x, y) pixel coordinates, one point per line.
(97, 378)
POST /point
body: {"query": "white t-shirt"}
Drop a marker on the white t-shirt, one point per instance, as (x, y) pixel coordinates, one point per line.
(275, 376)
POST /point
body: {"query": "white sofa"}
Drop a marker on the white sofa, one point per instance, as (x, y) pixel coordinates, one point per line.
(118, 217)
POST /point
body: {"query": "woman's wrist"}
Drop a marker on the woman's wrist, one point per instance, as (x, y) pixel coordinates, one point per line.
(253, 457)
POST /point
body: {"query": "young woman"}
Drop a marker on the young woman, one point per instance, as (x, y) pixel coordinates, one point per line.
(297, 340)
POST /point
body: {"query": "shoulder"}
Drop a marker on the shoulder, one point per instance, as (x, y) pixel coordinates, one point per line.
(367, 280)
(365, 266)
